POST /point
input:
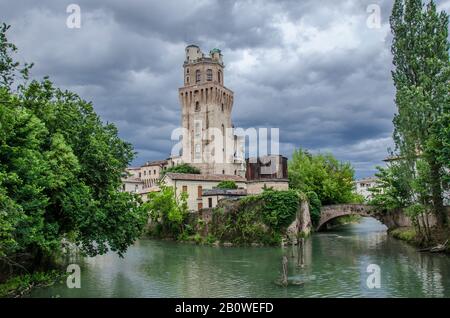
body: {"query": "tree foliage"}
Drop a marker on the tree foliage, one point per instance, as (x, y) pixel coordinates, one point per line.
(183, 168)
(422, 80)
(228, 185)
(60, 172)
(323, 174)
(168, 210)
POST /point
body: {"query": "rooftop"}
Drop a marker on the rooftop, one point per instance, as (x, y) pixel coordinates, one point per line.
(204, 177)
(155, 163)
(225, 192)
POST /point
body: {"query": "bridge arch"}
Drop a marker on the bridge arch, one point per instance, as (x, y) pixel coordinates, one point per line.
(330, 212)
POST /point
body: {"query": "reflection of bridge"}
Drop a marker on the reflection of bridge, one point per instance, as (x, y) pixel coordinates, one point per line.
(330, 212)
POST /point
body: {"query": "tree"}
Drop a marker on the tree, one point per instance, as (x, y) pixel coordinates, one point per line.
(422, 80)
(60, 172)
(323, 174)
(182, 168)
(167, 210)
(227, 185)
(392, 190)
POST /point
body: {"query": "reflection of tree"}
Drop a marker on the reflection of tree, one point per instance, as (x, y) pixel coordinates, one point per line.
(202, 271)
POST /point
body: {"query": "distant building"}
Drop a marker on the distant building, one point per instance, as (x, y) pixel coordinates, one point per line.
(206, 106)
(363, 186)
(212, 197)
(195, 184)
(266, 172)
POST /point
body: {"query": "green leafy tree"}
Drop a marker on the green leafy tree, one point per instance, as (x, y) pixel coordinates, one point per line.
(182, 168)
(422, 80)
(168, 210)
(392, 190)
(323, 174)
(60, 172)
(231, 185)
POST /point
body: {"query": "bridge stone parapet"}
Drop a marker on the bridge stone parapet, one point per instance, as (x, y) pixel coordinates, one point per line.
(329, 212)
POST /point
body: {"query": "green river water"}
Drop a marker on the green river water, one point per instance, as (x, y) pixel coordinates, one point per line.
(335, 266)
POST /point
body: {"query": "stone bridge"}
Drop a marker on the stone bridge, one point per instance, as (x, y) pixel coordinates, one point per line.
(330, 212)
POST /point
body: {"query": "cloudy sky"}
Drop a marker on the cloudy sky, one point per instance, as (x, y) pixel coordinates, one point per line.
(314, 69)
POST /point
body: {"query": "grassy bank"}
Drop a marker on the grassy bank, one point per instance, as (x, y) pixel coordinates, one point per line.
(21, 285)
(411, 236)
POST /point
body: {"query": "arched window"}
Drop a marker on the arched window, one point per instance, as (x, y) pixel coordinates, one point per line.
(187, 70)
(219, 77)
(197, 106)
(197, 76)
(222, 107)
(187, 79)
(209, 75)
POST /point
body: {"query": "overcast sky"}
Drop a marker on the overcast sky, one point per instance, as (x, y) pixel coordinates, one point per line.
(312, 68)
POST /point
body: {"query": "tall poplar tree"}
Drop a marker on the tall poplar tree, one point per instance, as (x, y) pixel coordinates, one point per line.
(422, 80)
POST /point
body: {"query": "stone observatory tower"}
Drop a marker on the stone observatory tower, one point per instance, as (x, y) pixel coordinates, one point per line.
(208, 142)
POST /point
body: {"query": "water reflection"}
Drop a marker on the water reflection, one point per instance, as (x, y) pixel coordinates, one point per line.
(335, 265)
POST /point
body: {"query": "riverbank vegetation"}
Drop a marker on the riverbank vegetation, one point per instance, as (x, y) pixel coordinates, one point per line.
(255, 219)
(418, 174)
(324, 179)
(60, 174)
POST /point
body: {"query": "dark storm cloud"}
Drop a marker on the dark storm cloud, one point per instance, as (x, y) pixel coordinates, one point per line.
(313, 69)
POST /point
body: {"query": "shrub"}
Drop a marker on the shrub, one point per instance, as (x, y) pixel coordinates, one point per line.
(182, 168)
(227, 185)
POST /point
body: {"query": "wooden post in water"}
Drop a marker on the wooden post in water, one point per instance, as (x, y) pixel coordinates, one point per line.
(284, 278)
(292, 250)
(301, 252)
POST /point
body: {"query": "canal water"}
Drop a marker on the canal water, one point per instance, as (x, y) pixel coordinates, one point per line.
(336, 265)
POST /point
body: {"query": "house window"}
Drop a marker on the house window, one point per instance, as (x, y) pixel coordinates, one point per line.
(154, 171)
(199, 192)
(197, 106)
(223, 171)
(197, 76)
(184, 188)
(200, 206)
(209, 75)
(210, 203)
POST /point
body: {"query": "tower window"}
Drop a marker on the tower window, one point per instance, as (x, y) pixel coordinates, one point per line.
(222, 107)
(197, 106)
(219, 77)
(187, 71)
(197, 129)
(197, 76)
(187, 79)
(197, 151)
(209, 75)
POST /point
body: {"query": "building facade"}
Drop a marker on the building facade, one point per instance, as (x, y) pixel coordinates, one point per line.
(195, 185)
(362, 187)
(209, 142)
